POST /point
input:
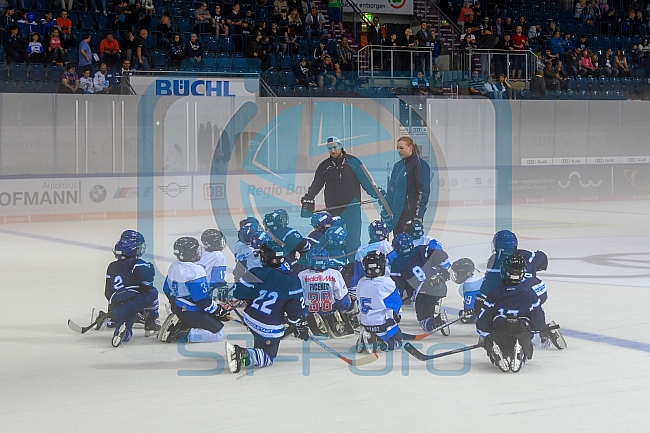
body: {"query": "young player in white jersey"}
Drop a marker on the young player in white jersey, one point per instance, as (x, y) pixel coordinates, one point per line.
(326, 296)
(462, 272)
(380, 307)
(378, 242)
(197, 317)
(214, 262)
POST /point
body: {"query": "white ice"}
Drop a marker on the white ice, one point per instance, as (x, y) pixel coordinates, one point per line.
(54, 380)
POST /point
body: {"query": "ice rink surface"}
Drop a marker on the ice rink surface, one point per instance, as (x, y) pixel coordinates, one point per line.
(54, 380)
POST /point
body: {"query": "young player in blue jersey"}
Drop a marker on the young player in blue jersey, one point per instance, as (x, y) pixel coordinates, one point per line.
(292, 242)
(416, 230)
(242, 247)
(326, 296)
(378, 233)
(462, 272)
(270, 294)
(334, 241)
(214, 262)
(320, 221)
(422, 279)
(510, 315)
(196, 317)
(380, 307)
(504, 244)
(129, 289)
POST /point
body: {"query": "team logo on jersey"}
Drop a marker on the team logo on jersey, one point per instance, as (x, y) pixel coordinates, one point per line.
(173, 189)
(97, 193)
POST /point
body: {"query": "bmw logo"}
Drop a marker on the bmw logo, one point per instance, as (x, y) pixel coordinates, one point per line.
(97, 193)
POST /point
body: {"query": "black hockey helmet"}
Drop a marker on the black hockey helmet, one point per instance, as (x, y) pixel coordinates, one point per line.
(187, 249)
(513, 269)
(461, 270)
(374, 263)
(213, 240)
(269, 257)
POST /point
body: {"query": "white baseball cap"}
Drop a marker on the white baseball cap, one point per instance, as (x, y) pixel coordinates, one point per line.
(333, 139)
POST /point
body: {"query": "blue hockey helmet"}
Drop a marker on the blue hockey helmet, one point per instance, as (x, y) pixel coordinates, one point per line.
(319, 259)
(403, 244)
(337, 221)
(336, 235)
(321, 221)
(138, 238)
(377, 231)
(265, 238)
(504, 241)
(273, 221)
(247, 233)
(213, 240)
(126, 248)
(414, 228)
(284, 217)
(187, 249)
(247, 220)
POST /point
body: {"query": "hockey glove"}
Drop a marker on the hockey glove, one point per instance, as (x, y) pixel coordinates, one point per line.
(221, 313)
(386, 219)
(301, 329)
(308, 207)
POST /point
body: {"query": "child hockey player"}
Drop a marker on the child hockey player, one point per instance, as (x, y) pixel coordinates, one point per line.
(129, 289)
(380, 307)
(270, 294)
(416, 230)
(422, 279)
(378, 233)
(462, 272)
(214, 262)
(326, 295)
(292, 242)
(510, 315)
(197, 317)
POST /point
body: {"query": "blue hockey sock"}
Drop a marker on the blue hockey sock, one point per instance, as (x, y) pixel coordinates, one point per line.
(427, 324)
(260, 357)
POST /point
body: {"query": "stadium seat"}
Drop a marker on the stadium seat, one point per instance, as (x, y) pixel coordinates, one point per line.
(224, 64)
(273, 78)
(288, 79)
(54, 73)
(37, 72)
(284, 91)
(47, 87)
(28, 87)
(8, 86)
(301, 91)
(240, 64)
(18, 71)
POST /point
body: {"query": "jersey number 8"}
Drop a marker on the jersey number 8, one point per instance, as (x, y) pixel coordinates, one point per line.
(320, 302)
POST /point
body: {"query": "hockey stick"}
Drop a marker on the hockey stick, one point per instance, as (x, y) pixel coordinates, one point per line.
(422, 357)
(327, 209)
(372, 357)
(411, 337)
(79, 329)
(381, 197)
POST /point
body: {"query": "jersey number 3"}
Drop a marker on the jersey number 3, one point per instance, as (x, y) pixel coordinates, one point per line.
(271, 298)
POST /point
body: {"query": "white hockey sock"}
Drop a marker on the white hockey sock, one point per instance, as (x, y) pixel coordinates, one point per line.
(260, 357)
(198, 335)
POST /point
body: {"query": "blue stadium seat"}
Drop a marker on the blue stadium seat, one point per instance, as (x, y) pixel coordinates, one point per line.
(47, 86)
(597, 95)
(224, 64)
(286, 63)
(301, 91)
(4, 73)
(37, 72)
(210, 64)
(609, 95)
(254, 65)
(284, 91)
(18, 71)
(8, 86)
(550, 95)
(315, 91)
(288, 79)
(240, 64)
(273, 78)
(72, 56)
(28, 87)
(54, 73)
(525, 94)
(561, 95)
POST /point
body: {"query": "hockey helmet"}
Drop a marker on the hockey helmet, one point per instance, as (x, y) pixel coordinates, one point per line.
(247, 233)
(377, 231)
(319, 259)
(321, 221)
(414, 228)
(504, 241)
(269, 257)
(284, 217)
(187, 249)
(403, 244)
(337, 221)
(273, 221)
(213, 240)
(513, 268)
(138, 238)
(126, 248)
(374, 264)
(461, 270)
(336, 235)
(247, 220)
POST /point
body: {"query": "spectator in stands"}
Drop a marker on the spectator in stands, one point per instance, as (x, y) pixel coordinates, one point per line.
(594, 61)
(508, 27)
(302, 73)
(392, 58)
(587, 64)
(15, 46)
(374, 37)
(550, 31)
(164, 27)
(467, 45)
(620, 61)
(580, 11)
(627, 28)
(203, 21)
(407, 41)
(70, 80)
(346, 54)
(109, 50)
(570, 45)
(278, 6)
(55, 48)
(426, 39)
(520, 42)
(466, 15)
(504, 86)
(593, 11)
(642, 49)
(176, 51)
(582, 42)
(128, 45)
(234, 19)
(86, 84)
(573, 65)
(65, 25)
(420, 85)
(138, 19)
(256, 50)
(609, 23)
(550, 76)
(194, 50)
(141, 56)
(488, 42)
(8, 20)
(607, 64)
(219, 21)
(501, 60)
(67, 5)
(640, 27)
(149, 8)
(484, 25)
(538, 86)
(35, 50)
(549, 56)
(437, 84)
(557, 44)
(278, 41)
(296, 26)
(47, 23)
(562, 76)
(491, 89)
(314, 24)
(536, 34)
(334, 14)
(319, 53)
(476, 84)
(122, 14)
(325, 73)
(478, 12)
(497, 28)
(85, 53)
(103, 80)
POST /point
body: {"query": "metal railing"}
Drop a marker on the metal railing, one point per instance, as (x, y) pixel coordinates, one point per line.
(494, 62)
(390, 62)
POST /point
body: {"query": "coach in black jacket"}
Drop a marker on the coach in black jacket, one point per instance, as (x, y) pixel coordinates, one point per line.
(343, 176)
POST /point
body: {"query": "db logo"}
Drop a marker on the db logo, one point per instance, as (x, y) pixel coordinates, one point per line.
(214, 191)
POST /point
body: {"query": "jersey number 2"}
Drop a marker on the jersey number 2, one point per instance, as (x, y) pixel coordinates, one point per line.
(271, 298)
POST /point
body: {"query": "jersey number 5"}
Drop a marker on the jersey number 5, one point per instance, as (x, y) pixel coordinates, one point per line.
(365, 305)
(271, 298)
